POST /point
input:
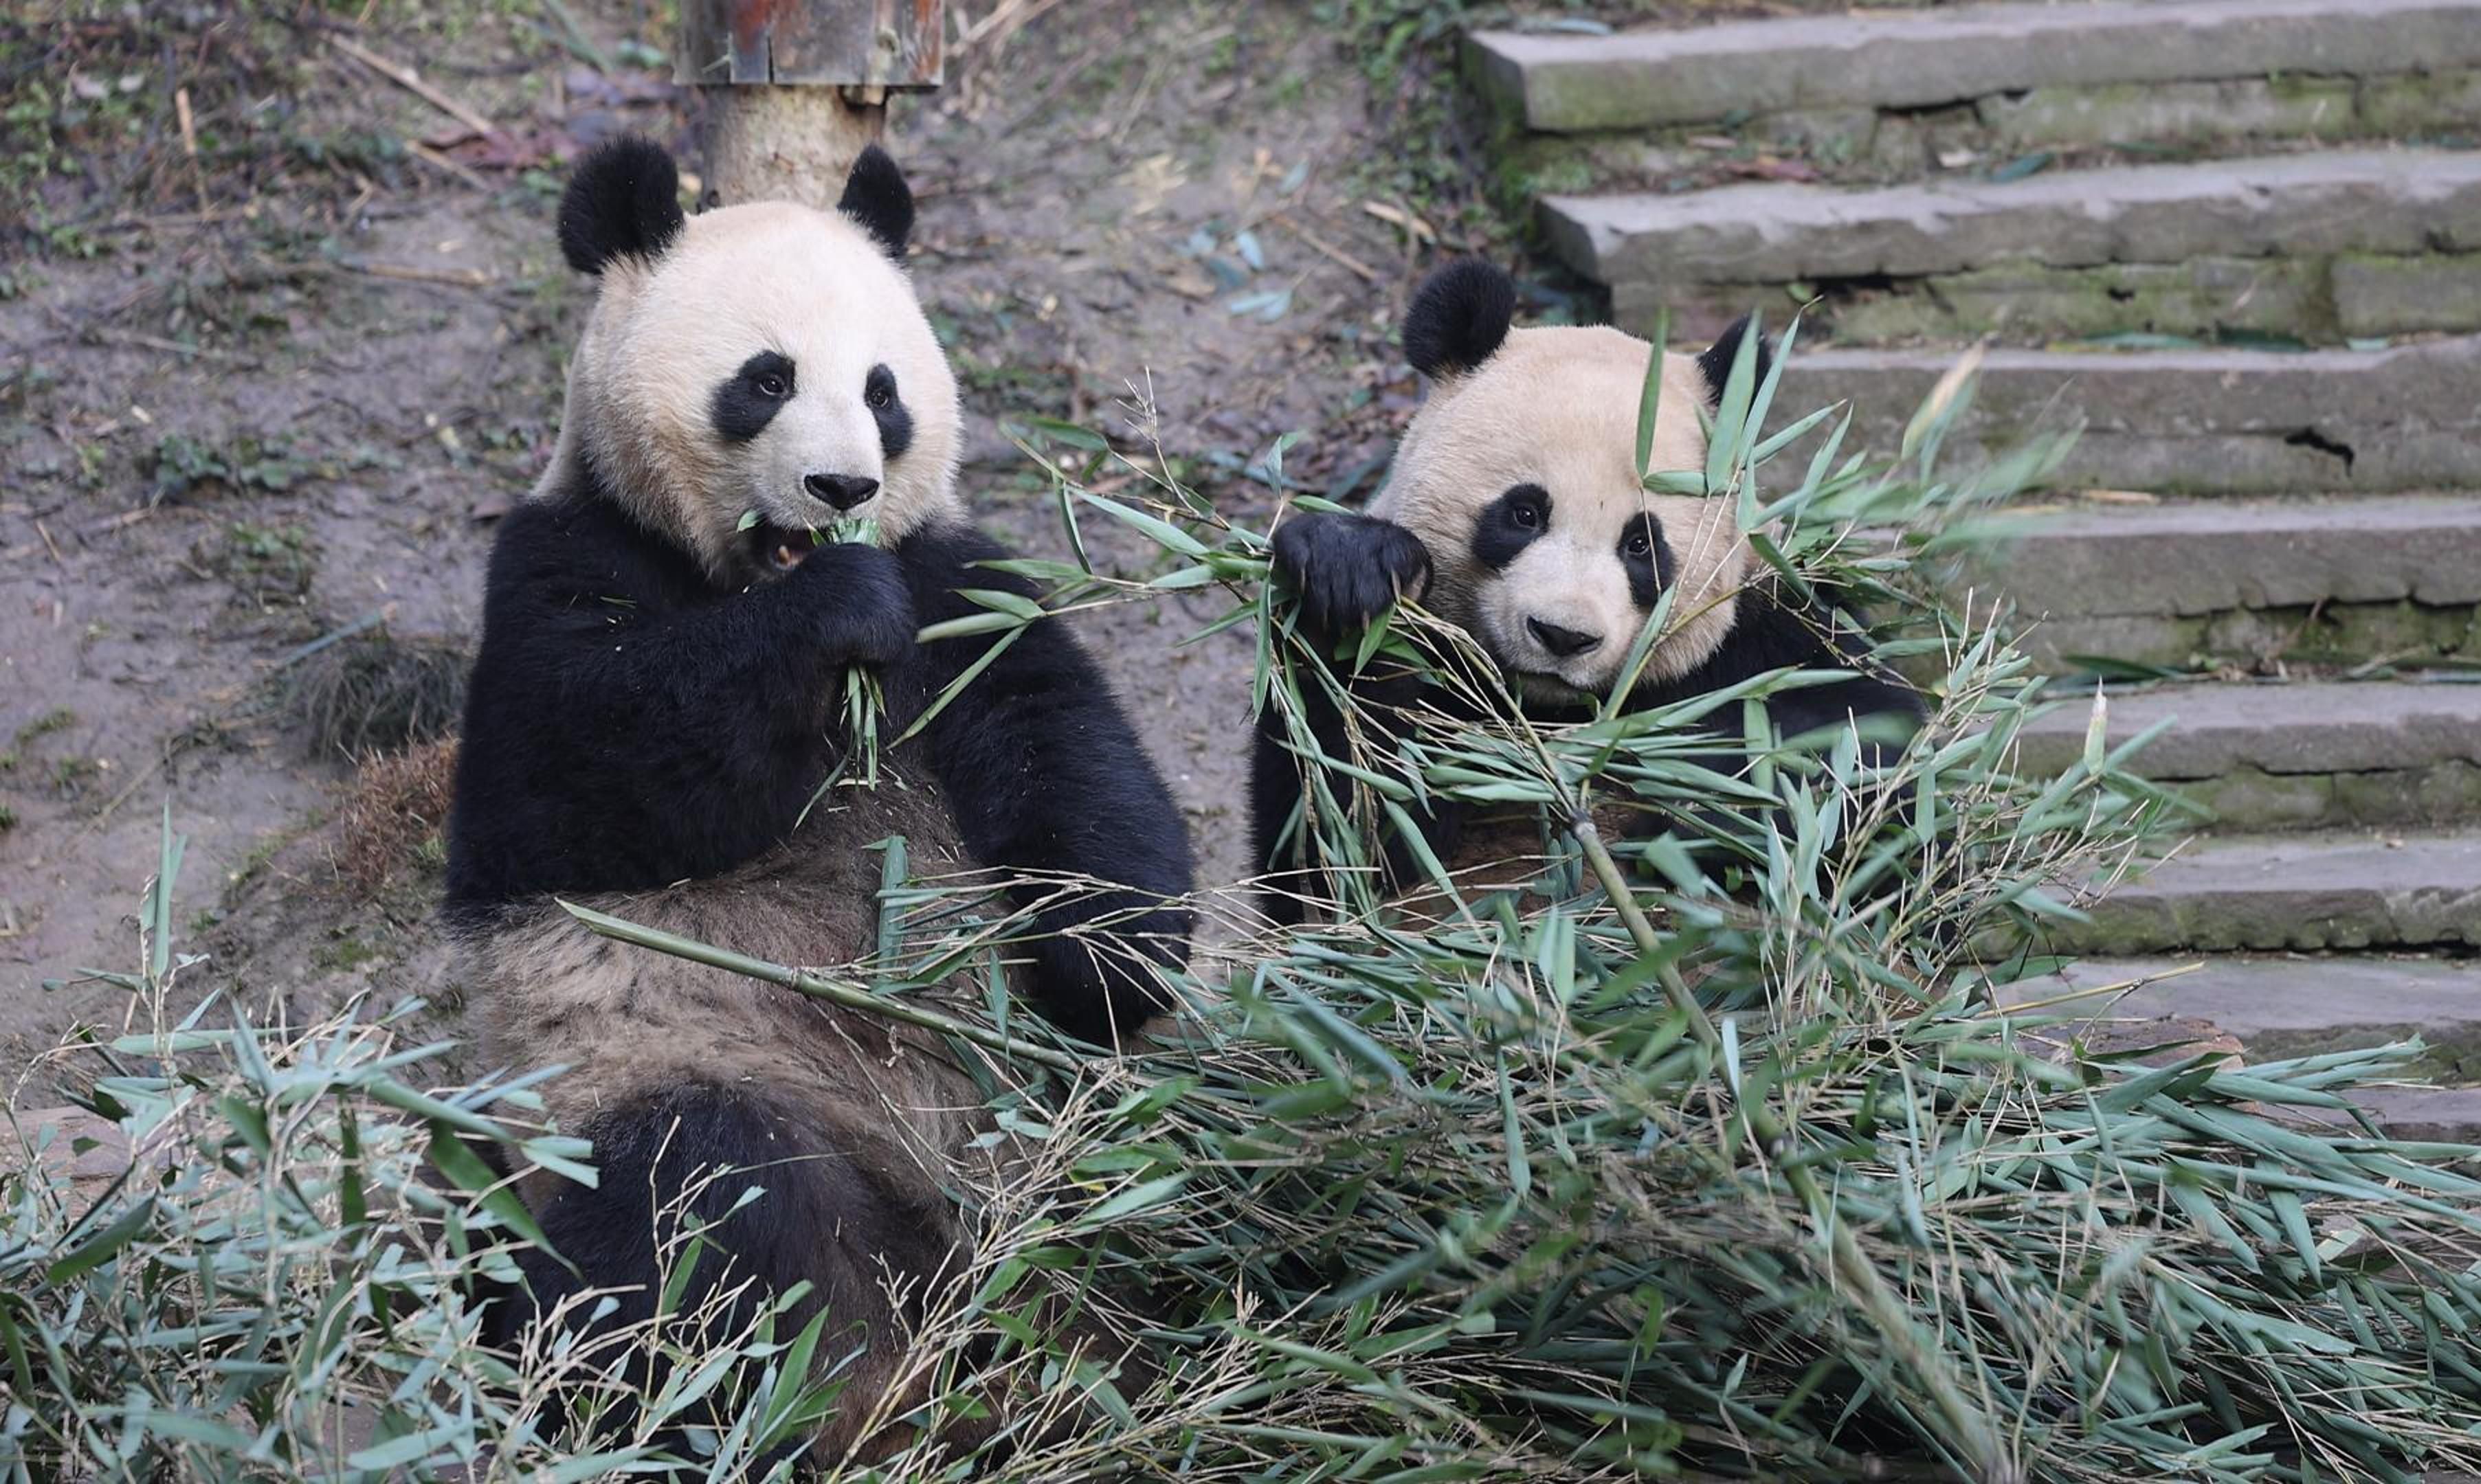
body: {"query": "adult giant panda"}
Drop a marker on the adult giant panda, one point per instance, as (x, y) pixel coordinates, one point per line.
(1514, 509)
(655, 704)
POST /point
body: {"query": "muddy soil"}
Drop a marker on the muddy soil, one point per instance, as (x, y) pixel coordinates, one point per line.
(248, 407)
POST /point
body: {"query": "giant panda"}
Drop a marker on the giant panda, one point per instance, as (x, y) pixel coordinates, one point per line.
(655, 703)
(1514, 510)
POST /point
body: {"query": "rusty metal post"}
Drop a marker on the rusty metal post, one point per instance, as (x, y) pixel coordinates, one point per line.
(793, 88)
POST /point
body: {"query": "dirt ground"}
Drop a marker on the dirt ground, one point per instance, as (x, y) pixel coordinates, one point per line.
(259, 404)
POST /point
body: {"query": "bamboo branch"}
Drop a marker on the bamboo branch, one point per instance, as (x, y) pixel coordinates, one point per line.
(411, 82)
(1974, 1436)
(849, 996)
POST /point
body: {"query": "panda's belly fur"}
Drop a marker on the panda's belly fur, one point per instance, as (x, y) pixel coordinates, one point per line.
(630, 1021)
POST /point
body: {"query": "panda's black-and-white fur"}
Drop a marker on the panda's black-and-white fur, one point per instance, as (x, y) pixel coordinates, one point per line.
(655, 702)
(1515, 509)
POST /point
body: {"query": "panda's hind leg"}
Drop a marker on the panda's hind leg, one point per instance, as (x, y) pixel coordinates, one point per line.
(675, 1167)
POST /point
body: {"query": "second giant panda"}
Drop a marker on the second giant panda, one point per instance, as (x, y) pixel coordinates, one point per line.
(656, 703)
(1514, 509)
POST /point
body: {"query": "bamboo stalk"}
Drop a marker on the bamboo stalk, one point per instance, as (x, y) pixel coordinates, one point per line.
(817, 988)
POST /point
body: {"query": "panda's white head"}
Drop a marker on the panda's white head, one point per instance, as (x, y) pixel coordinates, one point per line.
(765, 358)
(1519, 475)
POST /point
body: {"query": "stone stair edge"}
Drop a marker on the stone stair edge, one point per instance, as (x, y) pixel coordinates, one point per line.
(2312, 726)
(2375, 203)
(2259, 996)
(1912, 60)
(2317, 892)
(2183, 558)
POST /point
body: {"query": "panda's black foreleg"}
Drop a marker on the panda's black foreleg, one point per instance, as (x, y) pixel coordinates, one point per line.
(674, 1165)
(1045, 773)
(1346, 570)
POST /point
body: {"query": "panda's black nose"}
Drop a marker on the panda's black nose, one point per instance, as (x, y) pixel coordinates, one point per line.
(1563, 642)
(844, 491)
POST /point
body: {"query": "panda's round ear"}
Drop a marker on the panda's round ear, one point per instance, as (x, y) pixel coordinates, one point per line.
(877, 198)
(1459, 316)
(623, 201)
(1716, 361)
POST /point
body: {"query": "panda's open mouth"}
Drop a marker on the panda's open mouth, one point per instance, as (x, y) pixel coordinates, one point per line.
(780, 548)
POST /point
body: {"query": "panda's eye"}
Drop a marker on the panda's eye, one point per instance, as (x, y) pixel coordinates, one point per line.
(771, 386)
(1639, 545)
(879, 391)
(1525, 516)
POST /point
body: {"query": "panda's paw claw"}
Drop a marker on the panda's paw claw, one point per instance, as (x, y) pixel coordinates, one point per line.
(1350, 568)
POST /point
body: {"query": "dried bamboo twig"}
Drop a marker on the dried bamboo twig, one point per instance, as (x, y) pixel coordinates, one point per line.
(411, 82)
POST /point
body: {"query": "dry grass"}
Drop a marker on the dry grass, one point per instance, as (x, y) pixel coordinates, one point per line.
(396, 814)
(381, 691)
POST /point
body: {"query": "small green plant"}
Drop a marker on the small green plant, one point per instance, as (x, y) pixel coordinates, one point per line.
(58, 719)
(179, 464)
(268, 566)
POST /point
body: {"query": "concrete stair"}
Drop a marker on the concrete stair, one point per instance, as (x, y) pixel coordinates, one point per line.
(2280, 1006)
(2198, 421)
(2324, 246)
(2294, 756)
(2311, 893)
(2237, 243)
(1908, 60)
(2257, 585)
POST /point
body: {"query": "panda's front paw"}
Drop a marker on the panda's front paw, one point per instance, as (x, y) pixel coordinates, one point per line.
(1099, 981)
(860, 607)
(1348, 569)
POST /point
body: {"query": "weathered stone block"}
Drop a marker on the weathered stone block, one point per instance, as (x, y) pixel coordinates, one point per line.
(1568, 83)
(2299, 892)
(2208, 422)
(2312, 107)
(2379, 202)
(2441, 100)
(2019, 301)
(2393, 296)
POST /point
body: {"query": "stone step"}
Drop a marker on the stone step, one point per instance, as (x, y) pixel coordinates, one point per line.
(1912, 60)
(2273, 893)
(2257, 584)
(2288, 1005)
(2213, 422)
(2322, 247)
(2297, 1005)
(2287, 756)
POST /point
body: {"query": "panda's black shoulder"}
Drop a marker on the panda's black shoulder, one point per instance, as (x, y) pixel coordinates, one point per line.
(573, 541)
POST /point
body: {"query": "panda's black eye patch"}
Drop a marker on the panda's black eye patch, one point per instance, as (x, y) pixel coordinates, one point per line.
(1647, 558)
(748, 401)
(895, 424)
(1509, 523)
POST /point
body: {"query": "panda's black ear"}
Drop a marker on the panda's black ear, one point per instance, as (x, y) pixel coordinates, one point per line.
(877, 198)
(1459, 316)
(1717, 360)
(623, 201)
